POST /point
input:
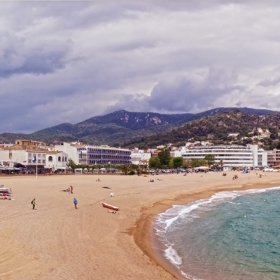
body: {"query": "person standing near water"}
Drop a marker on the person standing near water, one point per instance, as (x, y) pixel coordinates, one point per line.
(75, 203)
(33, 202)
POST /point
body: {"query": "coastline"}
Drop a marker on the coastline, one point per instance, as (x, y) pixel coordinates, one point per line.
(144, 235)
(58, 241)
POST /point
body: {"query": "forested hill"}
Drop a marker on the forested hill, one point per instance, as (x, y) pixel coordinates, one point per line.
(119, 127)
(215, 128)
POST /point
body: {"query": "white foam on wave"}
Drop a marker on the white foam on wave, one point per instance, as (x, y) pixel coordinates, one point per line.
(172, 255)
(167, 220)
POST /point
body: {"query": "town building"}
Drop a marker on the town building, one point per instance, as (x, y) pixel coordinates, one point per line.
(24, 155)
(273, 158)
(229, 156)
(56, 160)
(95, 155)
(176, 152)
(33, 154)
(140, 157)
(233, 135)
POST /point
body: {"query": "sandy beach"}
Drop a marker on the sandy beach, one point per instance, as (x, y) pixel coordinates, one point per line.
(57, 241)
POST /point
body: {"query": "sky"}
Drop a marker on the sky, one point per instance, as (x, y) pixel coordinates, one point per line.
(67, 61)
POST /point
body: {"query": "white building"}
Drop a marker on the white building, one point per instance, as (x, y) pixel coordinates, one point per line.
(231, 156)
(56, 160)
(22, 156)
(140, 157)
(95, 155)
(176, 152)
(72, 150)
(25, 151)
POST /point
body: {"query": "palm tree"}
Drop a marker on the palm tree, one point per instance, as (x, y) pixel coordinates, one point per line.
(222, 164)
(124, 169)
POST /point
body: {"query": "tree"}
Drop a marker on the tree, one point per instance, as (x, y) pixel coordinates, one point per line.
(196, 162)
(154, 162)
(164, 157)
(133, 166)
(171, 164)
(187, 163)
(177, 162)
(124, 168)
(210, 159)
(273, 136)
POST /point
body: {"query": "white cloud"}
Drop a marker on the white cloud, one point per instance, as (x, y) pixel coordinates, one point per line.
(69, 61)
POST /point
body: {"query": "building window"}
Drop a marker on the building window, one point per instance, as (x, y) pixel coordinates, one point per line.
(39, 161)
(10, 155)
(59, 158)
(50, 158)
(43, 161)
(29, 161)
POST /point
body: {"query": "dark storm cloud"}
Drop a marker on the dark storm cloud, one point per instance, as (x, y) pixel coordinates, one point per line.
(20, 57)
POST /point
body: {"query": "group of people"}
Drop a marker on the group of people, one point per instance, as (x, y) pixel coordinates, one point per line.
(70, 189)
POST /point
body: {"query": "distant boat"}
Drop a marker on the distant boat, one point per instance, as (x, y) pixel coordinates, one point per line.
(110, 206)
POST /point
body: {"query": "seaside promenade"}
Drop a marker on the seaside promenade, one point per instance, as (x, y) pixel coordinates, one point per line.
(57, 241)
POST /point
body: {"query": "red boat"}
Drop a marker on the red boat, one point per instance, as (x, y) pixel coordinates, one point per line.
(110, 206)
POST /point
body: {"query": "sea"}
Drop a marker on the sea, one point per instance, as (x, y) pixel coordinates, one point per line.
(231, 235)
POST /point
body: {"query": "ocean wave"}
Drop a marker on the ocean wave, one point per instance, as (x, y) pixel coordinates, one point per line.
(167, 219)
(172, 218)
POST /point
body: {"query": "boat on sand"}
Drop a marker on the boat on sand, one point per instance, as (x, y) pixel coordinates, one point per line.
(110, 206)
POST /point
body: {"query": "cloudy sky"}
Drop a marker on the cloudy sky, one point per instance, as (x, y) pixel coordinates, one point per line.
(67, 61)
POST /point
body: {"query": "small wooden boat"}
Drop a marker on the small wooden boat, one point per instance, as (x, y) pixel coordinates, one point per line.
(110, 206)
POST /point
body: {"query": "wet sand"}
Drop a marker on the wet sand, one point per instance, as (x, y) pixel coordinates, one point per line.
(57, 241)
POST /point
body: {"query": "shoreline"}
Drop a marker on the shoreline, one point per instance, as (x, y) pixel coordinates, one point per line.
(144, 235)
(58, 241)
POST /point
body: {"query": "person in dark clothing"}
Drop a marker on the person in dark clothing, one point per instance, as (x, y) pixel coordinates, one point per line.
(33, 202)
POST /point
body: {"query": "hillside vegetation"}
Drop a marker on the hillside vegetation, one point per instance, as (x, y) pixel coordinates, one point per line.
(141, 128)
(216, 128)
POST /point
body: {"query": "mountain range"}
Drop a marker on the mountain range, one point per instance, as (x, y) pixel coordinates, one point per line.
(123, 128)
(218, 128)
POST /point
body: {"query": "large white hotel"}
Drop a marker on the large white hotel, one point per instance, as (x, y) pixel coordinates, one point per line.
(95, 155)
(231, 156)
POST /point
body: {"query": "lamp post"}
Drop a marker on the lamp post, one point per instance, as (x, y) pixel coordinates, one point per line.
(109, 166)
(35, 161)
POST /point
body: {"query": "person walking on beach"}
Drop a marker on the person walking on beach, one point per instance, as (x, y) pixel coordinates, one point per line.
(75, 203)
(33, 202)
(71, 189)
